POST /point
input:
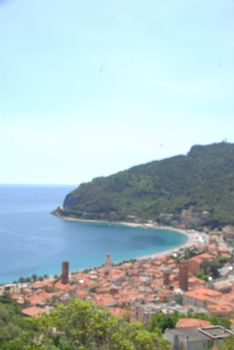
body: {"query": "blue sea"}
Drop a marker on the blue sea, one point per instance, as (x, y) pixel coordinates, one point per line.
(34, 241)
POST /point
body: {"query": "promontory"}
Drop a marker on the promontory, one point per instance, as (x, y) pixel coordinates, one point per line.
(194, 190)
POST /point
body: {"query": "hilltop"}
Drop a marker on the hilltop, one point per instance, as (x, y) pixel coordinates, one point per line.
(196, 189)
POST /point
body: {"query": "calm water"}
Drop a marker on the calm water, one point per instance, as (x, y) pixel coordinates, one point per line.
(33, 241)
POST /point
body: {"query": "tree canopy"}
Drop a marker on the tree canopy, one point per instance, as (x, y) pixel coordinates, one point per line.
(82, 325)
(227, 344)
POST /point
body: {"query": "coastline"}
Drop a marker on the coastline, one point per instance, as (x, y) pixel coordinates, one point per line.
(193, 237)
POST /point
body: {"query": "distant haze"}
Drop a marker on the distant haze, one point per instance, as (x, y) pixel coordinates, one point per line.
(91, 88)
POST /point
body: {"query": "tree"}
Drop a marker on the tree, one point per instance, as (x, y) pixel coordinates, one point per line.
(84, 326)
(227, 344)
(9, 319)
(163, 321)
(34, 277)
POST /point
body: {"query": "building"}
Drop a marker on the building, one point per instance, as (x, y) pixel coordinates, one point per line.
(65, 272)
(183, 275)
(222, 310)
(223, 286)
(166, 277)
(201, 297)
(228, 232)
(108, 264)
(194, 264)
(191, 323)
(205, 338)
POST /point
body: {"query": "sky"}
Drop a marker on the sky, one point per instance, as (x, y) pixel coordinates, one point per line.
(89, 88)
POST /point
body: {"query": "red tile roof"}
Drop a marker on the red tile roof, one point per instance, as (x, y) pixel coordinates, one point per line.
(34, 311)
(192, 322)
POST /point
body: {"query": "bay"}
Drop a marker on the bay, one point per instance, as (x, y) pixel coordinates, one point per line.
(32, 241)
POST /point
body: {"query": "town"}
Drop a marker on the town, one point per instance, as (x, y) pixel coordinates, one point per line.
(139, 288)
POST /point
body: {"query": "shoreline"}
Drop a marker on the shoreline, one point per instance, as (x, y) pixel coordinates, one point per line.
(193, 237)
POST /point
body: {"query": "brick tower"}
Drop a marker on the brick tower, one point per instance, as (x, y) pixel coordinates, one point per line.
(65, 272)
(183, 275)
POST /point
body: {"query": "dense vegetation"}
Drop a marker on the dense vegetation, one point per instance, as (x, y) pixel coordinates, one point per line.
(211, 268)
(77, 326)
(202, 181)
(163, 321)
(228, 344)
(10, 320)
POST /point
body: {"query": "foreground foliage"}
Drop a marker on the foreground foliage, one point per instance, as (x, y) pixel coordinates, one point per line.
(83, 326)
(202, 180)
(228, 344)
(10, 321)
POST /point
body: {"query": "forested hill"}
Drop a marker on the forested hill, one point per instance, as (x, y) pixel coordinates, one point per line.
(195, 189)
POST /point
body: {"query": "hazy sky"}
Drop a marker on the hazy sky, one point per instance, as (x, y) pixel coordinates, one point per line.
(88, 88)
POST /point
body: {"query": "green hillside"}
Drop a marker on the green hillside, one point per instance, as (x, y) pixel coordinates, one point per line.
(201, 181)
